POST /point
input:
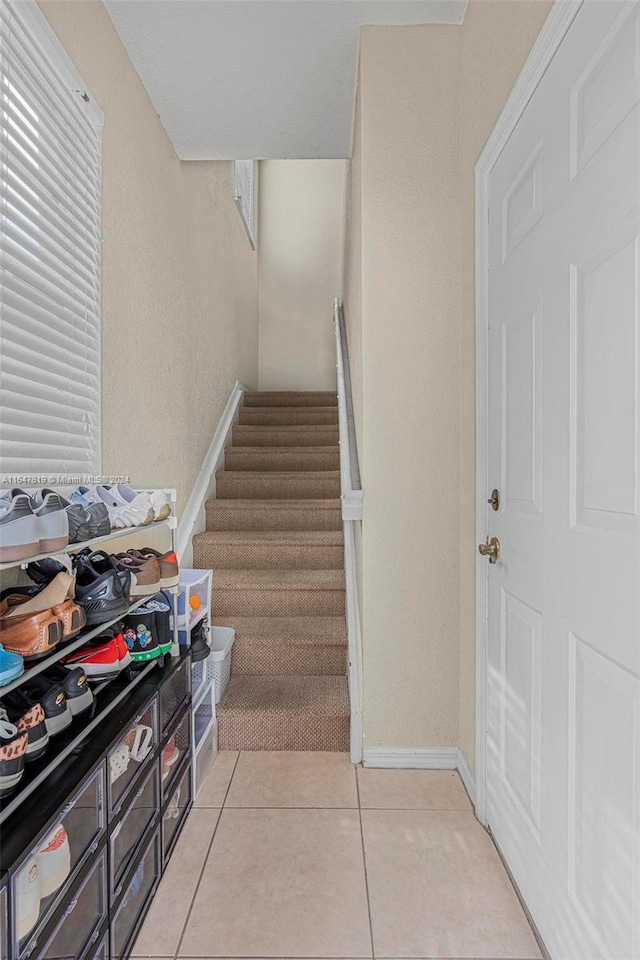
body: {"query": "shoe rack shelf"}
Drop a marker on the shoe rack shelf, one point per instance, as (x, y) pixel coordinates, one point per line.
(107, 697)
(121, 820)
(96, 544)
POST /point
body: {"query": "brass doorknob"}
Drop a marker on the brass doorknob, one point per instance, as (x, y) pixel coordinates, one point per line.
(490, 549)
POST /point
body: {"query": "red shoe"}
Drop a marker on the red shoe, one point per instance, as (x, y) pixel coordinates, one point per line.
(102, 661)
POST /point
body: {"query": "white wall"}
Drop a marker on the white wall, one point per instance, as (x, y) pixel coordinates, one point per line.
(300, 232)
(179, 293)
(427, 100)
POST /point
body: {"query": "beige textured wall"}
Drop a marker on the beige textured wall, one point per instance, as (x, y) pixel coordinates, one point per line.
(301, 228)
(179, 294)
(496, 39)
(409, 100)
(426, 102)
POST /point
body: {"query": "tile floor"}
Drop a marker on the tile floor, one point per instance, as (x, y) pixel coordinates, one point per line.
(295, 855)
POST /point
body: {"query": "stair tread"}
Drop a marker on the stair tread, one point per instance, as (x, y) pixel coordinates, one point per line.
(284, 474)
(332, 503)
(308, 696)
(300, 451)
(304, 630)
(275, 537)
(288, 427)
(230, 579)
(285, 398)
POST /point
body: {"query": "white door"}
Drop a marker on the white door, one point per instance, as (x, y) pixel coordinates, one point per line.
(563, 675)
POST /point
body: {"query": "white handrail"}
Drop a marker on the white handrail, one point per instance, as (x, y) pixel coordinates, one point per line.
(351, 495)
(350, 486)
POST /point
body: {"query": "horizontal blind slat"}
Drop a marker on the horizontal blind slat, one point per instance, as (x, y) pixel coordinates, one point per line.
(26, 303)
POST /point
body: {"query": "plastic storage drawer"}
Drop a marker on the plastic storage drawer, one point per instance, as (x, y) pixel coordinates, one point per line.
(176, 809)
(129, 830)
(73, 933)
(101, 952)
(203, 716)
(204, 757)
(135, 899)
(174, 693)
(177, 747)
(41, 881)
(127, 757)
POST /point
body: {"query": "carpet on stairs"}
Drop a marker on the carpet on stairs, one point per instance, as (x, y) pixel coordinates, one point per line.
(274, 541)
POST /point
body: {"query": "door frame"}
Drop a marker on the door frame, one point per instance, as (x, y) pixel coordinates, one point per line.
(553, 31)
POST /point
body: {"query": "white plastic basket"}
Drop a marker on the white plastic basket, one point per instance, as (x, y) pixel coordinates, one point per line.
(220, 657)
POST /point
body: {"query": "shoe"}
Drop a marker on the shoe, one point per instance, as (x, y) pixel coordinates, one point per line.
(29, 719)
(52, 523)
(138, 500)
(13, 751)
(169, 757)
(57, 597)
(102, 562)
(31, 637)
(169, 572)
(103, 596)
(101, 660)
(96, 512)
(28, 890)
(160, 626)
(11, 666)
(43, 571)
(141, 642)
(121, 513)
(19, 537)
(77, 519)
(54, 861)
(74, 683)
(158, 499)
(51, 696)
(145, 572)
(200, 648)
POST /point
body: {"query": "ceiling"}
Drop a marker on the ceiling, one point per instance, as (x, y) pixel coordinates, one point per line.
(234, 79)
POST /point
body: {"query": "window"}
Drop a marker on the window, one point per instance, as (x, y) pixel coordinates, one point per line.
(50, 252)
(245, 194)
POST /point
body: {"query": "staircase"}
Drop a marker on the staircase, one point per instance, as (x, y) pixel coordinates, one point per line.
(274, 541)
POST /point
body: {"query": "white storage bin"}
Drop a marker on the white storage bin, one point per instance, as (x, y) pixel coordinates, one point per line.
(220, 657)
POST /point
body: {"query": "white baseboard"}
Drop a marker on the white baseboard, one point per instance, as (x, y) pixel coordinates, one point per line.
(192, 517)
(444, 758)
(466, 776)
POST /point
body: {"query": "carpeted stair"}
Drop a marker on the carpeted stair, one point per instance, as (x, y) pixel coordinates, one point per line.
(274, 541)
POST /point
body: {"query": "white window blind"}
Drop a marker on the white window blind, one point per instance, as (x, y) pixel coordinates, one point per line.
(50, 253)
(245, 194)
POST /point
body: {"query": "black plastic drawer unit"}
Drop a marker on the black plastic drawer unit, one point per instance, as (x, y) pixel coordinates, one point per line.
(133, 902)
(176, 807)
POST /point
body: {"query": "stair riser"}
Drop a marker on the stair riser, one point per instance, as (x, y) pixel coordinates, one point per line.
(279, 398)
(228, 517)
(292, 660)
(287, 416)
(267, 556)
(264, 732)
(249, 436)
(277, 603)
(249, 486)
(238, 458)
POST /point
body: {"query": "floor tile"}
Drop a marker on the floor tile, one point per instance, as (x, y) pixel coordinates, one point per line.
(287, 779)
(282, 883)
(216, 783)
(165, 921)
(412, 789)
(437, 888)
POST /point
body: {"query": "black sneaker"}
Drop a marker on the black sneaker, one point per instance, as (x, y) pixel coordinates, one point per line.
(102, 596)
(53, 699)
(43, 571)
(138, 630)
(100, 562)
(75, 686)
(13, 751)
(200, 648)
(29, 719)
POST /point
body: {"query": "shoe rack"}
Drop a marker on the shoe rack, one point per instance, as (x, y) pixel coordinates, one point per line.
(122, 803)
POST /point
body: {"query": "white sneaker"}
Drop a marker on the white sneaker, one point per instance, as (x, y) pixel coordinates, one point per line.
(120, 516)
(54, 861)
(28, 906)
(127, 503)
(161, 504)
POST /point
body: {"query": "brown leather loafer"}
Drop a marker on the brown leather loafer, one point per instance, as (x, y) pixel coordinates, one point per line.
(31, 636)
